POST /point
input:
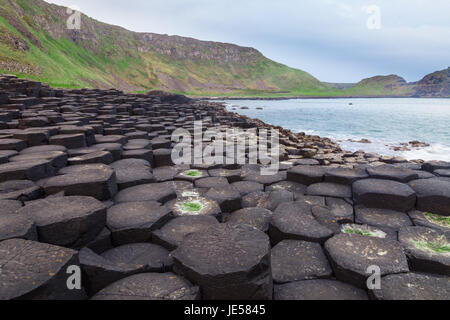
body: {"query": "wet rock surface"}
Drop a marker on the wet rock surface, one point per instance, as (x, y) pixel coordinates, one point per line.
(87, 179)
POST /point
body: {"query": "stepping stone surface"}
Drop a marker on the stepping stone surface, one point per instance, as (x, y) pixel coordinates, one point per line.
(390, 172)
(17, 226)
(428, 250)
(100, 272)
(318, 290)
(151, 257)
(133, 222)
(386, 220)
(345, 176)
(299, 260)
(26, 170)
(384, 194)
(295, 221)
(227, 262)
(161, 192)
(433, 195)
(433, 221)
(306, 175)
(351, 255)
(66, 221)
(171, 235)
(33, 270)
(23, 190)
(329, 190)
(150, 286)
(256, 217)
(94, 180)
(413, 286)
(115, 149)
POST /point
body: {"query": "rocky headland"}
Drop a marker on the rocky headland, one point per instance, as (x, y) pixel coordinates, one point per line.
(87, 183)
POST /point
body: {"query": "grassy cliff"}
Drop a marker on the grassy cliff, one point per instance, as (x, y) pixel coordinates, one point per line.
(36, 43)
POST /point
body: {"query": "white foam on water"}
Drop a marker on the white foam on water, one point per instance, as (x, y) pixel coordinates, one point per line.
(394, 122)
(434, 152)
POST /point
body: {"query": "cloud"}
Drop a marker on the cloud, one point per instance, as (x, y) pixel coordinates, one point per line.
(328, 38)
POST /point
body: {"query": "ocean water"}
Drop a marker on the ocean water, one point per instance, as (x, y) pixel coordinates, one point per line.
(385, 122)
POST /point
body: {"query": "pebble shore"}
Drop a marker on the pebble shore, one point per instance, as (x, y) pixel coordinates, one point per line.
(87, 181)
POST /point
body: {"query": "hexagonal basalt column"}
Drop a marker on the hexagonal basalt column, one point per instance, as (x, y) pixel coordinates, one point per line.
(227, 262)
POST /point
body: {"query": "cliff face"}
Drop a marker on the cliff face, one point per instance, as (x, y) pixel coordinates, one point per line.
(391, 85)
(36, 42)
(436, 84)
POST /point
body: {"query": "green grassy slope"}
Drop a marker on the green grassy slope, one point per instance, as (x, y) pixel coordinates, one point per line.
(391, 85)
(35, 43)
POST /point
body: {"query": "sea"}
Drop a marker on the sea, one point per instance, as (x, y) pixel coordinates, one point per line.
(385, 122)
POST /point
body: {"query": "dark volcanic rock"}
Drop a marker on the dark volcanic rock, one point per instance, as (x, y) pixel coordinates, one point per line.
(150, 286)
(66, 221)
(26, 170)
(228, 198)
(428, 250)
(295, 221)
(12, 144)
(95, 180)
(433, 195)
(413, 286)
(9, 206)
(256, 217)
(211, 182)
(151, 257)
(431, 166)
(100, 272)
(70, 141)
(161, 192)
(162, 174)
(23, 190)
(171, 235)
(386, 220)
(133, 222)
(344, 175)
(17, 226)
(306, 175)
(246, 187)
(296, 188)
(351, 255)
(266, 180)
(299, 260)
(33, 270)
(390, 172)
(384, 194)
(132, 172)
(104, 157)
(227, 262)
(433, 221)
(318, 290)
(329, 190)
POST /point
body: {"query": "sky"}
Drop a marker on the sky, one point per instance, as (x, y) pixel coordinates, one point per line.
(334, 40)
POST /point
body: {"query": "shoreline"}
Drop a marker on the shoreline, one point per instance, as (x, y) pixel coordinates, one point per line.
(89, 177)
(408, 146)
(309, 98)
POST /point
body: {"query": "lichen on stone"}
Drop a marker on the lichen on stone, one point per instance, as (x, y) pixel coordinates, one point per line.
(363, 231)
(437, 219)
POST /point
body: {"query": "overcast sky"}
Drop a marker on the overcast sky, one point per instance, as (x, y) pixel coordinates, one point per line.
(334, 40)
